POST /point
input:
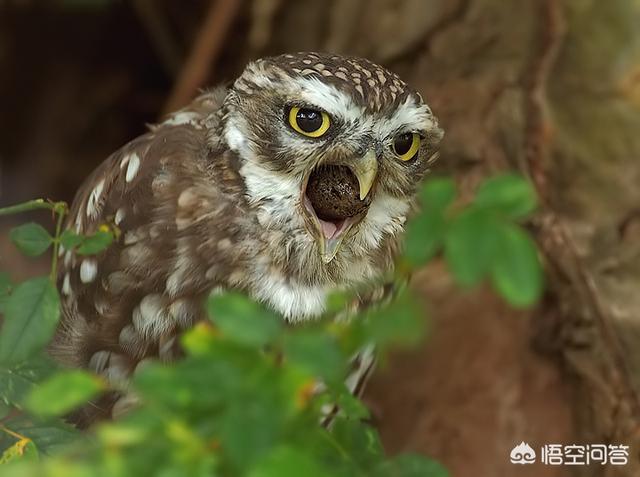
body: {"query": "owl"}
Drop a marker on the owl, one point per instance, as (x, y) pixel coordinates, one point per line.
(292, 183)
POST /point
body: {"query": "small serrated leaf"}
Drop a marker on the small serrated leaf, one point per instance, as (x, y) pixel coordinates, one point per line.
(23, 449)
(469, 245)
(69, 239)
(402, 322)
(423, 237)
(425, 233)
(31, 239)
(316, 353)
(63, 392)
(289, 462)
(95, 243)
(438, 193)
(516, 270)
(31, 315)
(18, 380)
(242, 320)
(49, 435)
(5, 289)
(510, 194)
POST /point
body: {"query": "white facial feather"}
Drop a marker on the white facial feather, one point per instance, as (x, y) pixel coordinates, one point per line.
(327, 97)
(408, 117)
(293, 300)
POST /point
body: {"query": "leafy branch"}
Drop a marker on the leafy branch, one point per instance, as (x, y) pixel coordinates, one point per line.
(245, 400)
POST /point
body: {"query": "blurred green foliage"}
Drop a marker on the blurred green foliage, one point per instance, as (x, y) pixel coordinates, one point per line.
(246, 399)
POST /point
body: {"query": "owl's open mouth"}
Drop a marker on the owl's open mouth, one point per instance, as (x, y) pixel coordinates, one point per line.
(331, 198)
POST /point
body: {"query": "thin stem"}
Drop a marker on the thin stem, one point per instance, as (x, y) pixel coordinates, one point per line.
(13, 433)
(27, 206)
(60, 208)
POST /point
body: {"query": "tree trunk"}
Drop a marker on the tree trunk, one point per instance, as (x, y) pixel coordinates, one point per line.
(550, 89)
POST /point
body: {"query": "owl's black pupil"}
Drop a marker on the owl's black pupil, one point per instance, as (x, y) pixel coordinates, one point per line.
(402, 143)
(309, 120)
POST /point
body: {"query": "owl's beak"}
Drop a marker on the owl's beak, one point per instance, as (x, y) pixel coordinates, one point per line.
(331, 231)
(330, 234)
(365, 169)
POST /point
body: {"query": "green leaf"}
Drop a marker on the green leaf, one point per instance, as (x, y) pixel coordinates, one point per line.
(401, 322)
(4, 409)
(338, 301)
(49, 435)
(23, 449)
(510, 194)
(69, 239)
(516, 271)
(423, 237)
(248, 429)
(5, 289)
(411, 465)
(289, 462)
(95, 243)
(31, 316)
(351, 406)
(469, 245)
(242, 320)
(438, 193)
(31, 239)
(18, 380)
(63, 392)
(424, 233)
(315, 352)
(361, 440)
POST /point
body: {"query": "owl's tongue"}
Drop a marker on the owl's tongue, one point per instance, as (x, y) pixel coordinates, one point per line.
(330, 229)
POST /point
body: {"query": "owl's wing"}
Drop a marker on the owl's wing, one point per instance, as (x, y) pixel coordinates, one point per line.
(117, 307)
(129, 302)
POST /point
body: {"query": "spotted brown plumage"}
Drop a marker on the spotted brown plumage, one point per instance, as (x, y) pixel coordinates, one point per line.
(214, 198)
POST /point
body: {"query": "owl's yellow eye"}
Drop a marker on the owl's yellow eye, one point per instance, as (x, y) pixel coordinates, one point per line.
(309, 122)
(406, 146)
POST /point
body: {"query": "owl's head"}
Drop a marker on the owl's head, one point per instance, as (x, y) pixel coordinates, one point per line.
(331, 148)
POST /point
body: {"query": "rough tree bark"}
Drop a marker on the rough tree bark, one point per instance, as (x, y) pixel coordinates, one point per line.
(550, 89)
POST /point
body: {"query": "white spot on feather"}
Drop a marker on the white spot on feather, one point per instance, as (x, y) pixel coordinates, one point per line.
(94, 200)
(184, 312)
(66, 285)
(99, 361)
(67, 258)
(88, 270)
(184, 117)
(151, 317)
(118, 369)
(120, 215)
(132, 168)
